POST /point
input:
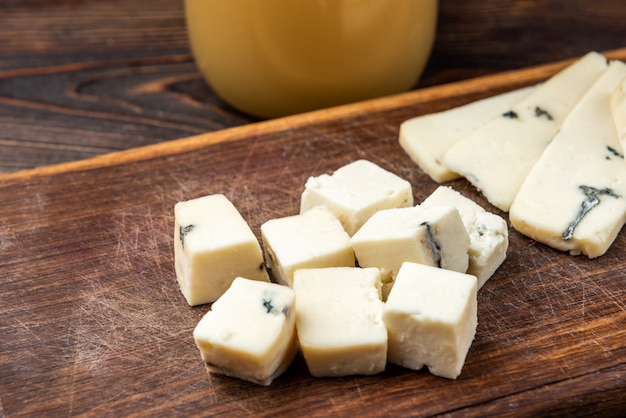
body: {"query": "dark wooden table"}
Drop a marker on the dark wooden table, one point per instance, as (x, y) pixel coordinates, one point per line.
(80, 78)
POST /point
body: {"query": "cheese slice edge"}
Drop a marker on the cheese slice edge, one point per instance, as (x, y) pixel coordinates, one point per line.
(497, 157)
(574, 198)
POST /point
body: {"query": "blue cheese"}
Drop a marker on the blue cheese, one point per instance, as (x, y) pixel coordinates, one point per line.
(497, 157)
(618, 111)
(574, 198)
(355, 192)
(431, 318)
(213, 244)
(433, 236)
(427, 138)
(339, 321)
(250, 332)
(312, 239)
(488, 233)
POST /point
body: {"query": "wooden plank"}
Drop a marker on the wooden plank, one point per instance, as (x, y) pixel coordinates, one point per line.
(92, 321)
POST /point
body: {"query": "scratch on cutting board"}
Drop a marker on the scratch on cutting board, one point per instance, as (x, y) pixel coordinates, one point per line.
(359, 131)
(212, 393)
(73, 383)
(586, 282)
(8, 237)
(617, 299)
(546, 293)
(34, 333)
(139, 234)
(596, 341)
(570, 301)
(182, 188)
(109, 324)
(358, 388)
(243, 169)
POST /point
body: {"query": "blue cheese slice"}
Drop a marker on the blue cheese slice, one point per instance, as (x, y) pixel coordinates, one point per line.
(574, 198)
(213, 244)
(427, 138)
(433, 236)
(312, 239)
(355, 192)
(431, 318)
(618, 111)
(488, 233)
(496, 157)
(339, 321)
(250, 332)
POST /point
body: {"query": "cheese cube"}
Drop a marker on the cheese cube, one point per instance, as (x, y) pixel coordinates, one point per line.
(213, 244)
(574, 198)
(312, 239)
(249, 333)
(433, 236)
(488, 232)
(339, 321)
(426, 138)
(431, 317)
(355, 192)
(496, 157)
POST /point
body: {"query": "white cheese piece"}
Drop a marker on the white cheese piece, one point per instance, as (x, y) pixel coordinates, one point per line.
(488, 232)
(434, 236)
(496, 157)
(431, 318)
(618, 111)
(250, 332)
(339, 321)
(355, 192)
(574, 198)
(427, 138)
(312, 239)
(213, 244)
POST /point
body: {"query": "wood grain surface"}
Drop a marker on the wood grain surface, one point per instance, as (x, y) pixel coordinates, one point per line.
(80, 78)
(92, 321)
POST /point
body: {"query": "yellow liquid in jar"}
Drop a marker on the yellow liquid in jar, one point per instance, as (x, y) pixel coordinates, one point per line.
(278, 57)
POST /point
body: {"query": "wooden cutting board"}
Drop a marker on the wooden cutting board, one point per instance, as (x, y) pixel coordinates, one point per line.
(92, 321)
